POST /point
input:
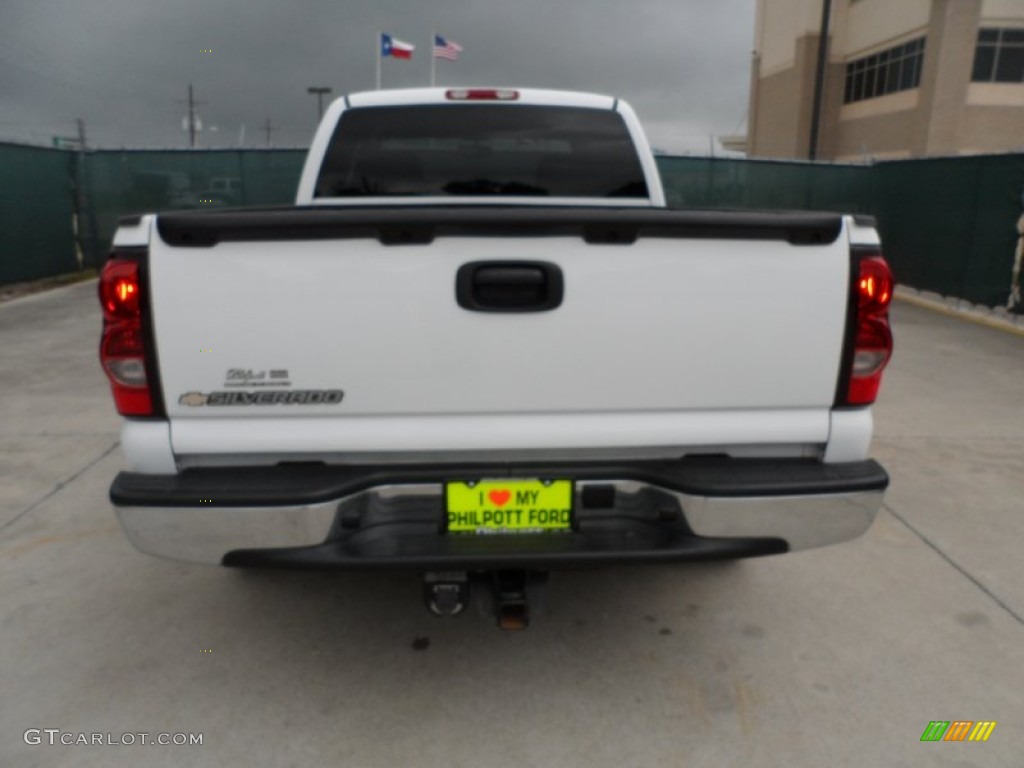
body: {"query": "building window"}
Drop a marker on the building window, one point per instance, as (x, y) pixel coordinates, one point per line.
(999, 57)
(897, 69)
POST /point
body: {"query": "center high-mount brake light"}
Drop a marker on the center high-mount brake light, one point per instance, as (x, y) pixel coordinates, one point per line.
(481, 94)
(122, 347)
(872, 343)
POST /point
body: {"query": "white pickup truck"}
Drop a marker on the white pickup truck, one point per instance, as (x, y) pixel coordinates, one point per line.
(480, 343)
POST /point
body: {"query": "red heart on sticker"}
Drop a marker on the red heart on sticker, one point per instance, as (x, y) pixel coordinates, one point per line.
(500, 497)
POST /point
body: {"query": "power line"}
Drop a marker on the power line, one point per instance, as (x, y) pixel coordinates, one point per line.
(84, 77)
(746, 116)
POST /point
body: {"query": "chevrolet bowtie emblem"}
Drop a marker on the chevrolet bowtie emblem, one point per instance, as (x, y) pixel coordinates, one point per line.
(193, 399)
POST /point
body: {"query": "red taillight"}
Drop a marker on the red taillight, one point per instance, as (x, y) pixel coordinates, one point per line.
(122, 348)
(119, 289)
(481, 94)
(872, 343)
(874, 289)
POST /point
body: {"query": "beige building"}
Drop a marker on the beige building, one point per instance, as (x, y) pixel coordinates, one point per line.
(904, 78)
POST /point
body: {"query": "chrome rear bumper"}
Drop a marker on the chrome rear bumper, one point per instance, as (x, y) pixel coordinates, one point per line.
(399, 524)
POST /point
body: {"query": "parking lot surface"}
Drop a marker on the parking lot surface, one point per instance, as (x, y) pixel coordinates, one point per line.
(832, 657)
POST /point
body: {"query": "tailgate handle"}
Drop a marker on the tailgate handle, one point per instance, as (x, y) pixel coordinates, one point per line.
(509, 286)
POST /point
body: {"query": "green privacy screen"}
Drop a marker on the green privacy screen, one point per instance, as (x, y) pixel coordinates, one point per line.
(138, 181)
(948, 224)
(36, 234)
(699, 182)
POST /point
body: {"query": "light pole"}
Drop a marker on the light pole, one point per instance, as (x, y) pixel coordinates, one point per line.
(319, 99)
(819, 79)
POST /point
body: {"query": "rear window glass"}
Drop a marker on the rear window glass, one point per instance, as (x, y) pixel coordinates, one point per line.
(476, 149)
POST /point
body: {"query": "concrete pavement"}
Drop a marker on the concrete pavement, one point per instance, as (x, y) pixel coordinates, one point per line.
(831, 657)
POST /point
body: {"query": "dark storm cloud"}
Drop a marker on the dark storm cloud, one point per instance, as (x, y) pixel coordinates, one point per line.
(124, 65)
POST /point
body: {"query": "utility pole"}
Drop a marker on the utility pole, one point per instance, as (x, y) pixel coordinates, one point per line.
(192, 119)
(319, 92)
(268, 129)
(84, 210)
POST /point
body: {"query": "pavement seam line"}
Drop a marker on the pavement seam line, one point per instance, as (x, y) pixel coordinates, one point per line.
(60, 486)
(956, 565)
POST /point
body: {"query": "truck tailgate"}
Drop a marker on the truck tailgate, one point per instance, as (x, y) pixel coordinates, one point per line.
(675, 329)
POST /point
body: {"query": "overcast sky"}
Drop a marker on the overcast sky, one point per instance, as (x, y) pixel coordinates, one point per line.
(124, 65)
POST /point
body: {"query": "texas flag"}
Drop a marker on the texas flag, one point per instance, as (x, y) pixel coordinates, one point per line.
(390, 46)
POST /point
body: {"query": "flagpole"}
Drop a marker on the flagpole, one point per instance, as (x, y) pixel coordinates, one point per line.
(433, 58)
(377, 56)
